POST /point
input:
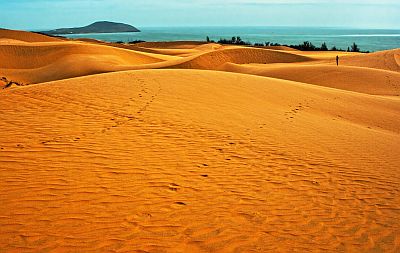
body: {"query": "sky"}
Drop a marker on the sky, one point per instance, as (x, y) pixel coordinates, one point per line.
(49, 14)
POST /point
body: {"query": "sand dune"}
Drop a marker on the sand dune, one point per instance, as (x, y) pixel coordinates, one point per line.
(289, 154)
(134, 47)
(41, 62)
(387, 60)
(11, 41)
(171, 44)
(80, 58)
(178, 48)
(181, 50)
(176, 52)
(197, 161)
(25, 36)
(215, 60)
(365, 80)
(325, 56)
(284, 48)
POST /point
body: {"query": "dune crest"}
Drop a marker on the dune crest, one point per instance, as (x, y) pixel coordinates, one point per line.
(358, 79)
(214, 60)
(26, 36)
(386, 60)
(73, 58)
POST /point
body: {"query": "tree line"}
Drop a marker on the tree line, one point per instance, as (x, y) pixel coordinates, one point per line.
(305, 46)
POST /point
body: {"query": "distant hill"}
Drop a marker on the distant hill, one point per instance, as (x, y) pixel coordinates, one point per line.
(97, 27)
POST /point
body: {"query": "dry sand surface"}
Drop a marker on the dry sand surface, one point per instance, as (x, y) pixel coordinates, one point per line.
(196, 148)
(25, 36)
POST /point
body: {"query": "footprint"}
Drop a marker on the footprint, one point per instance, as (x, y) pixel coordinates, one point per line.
(180, 203)
(173, 187)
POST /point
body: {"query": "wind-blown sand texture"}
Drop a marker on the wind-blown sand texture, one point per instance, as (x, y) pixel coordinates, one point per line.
(197, 148)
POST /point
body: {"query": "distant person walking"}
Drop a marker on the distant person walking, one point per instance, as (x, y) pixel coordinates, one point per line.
(337, 60)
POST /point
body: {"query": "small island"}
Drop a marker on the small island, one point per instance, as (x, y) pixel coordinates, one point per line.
(97, 27)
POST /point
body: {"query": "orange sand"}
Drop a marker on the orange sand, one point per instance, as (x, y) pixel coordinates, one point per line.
(199, 159)
(25, 36)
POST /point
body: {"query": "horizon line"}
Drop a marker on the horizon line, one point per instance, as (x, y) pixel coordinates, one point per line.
(231, 26)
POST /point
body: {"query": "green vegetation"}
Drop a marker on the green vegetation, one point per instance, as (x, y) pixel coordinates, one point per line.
(234, 41)
(135, 41)
(305, 46)
(354, 48)
(324, 47)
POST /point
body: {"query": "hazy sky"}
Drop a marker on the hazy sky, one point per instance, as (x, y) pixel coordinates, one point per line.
(44, 14)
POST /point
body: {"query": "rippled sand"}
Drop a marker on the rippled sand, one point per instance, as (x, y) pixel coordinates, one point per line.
(197, 160)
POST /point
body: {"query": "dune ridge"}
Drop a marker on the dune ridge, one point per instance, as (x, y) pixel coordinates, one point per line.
(74, 59)
(171, 44)
(358, 79)
(216, 59)
(94, 57)
(26, 36)
(386, 60)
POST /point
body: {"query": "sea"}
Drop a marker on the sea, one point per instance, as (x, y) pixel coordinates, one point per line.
(367, 39)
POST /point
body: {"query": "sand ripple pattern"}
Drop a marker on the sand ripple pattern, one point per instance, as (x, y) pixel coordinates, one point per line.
(168, 161)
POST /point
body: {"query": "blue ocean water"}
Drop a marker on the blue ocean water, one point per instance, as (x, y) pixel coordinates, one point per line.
(366, 39)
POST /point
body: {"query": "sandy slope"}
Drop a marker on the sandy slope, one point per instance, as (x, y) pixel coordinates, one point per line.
(25, 36)
(134, 47)
(215, 60)
(328, 56)
(41, 62)
(186, 160)
(387, 60)
(171, 44)
(284, 48)
(197, 161)
(359, 79)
